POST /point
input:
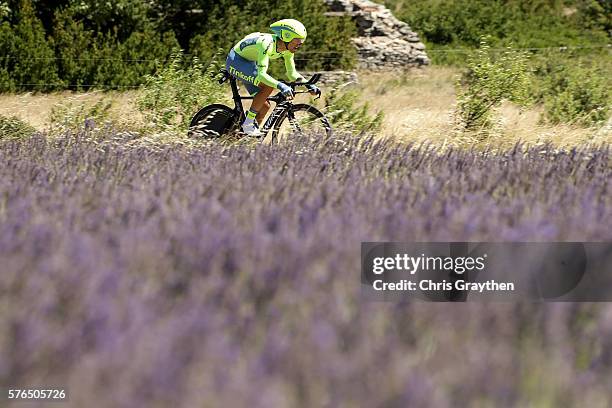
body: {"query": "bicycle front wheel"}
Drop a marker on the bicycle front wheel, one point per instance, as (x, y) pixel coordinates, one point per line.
(301, 120)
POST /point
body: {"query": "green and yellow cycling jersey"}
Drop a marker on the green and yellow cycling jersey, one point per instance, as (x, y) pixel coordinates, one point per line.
(261, 48)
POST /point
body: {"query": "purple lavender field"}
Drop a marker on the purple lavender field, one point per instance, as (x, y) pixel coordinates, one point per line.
(156, 276)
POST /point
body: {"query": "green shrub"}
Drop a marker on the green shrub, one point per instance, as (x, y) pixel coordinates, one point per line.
(111, 44)
(127, 64)
(73, 116)
(573, 87)
(342, 110)
(578, 95)
(14, 128)
(596, 14)
(5, 10)
(459, 24)
(88, 57)
(489, 80)
(123, 17)
(174, 94)
(73, 45)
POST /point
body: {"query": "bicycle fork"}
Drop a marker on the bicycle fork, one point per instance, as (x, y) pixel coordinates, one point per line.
(275, 116)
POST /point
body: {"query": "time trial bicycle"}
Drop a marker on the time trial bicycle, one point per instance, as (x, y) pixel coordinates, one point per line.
(286, 120)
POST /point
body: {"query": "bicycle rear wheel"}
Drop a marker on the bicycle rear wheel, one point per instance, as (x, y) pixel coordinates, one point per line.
(212, 121)
(301, 120)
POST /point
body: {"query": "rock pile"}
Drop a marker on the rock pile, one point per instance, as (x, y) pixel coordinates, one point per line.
(384, 41)
(335, 77)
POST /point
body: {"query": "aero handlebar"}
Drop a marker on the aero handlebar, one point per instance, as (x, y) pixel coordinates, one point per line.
(313, 80)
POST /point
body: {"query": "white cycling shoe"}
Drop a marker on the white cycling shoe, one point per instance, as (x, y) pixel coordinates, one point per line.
(251, 129)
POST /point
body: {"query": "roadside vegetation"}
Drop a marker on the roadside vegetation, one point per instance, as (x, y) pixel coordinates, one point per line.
(495, 65)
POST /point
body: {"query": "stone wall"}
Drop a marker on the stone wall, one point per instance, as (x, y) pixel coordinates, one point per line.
(384, 41)
(335, 77)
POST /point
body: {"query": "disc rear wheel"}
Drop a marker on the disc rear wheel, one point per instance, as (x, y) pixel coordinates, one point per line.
(212, 121)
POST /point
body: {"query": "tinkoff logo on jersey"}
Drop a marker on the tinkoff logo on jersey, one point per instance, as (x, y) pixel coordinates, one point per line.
(236, 73)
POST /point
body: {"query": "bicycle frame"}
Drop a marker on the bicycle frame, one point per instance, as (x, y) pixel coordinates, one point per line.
(282, 104)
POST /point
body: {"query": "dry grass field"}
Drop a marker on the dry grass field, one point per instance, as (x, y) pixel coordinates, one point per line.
(418, 106)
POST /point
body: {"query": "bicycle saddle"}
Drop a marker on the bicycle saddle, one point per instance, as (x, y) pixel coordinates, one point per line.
(225, 75)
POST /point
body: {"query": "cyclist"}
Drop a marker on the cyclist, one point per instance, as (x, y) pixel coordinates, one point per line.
(248, 61)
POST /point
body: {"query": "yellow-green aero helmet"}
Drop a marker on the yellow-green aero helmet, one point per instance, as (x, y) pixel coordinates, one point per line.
(288, 29)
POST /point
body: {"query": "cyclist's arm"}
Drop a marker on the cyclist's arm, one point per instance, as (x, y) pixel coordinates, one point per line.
(263, 61)
(292, 73)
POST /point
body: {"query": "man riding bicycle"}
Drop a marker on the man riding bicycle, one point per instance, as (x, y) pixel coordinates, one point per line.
(248, 61)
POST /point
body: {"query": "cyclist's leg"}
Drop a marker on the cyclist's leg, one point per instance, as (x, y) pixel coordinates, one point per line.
(261, 115)
(260, 103)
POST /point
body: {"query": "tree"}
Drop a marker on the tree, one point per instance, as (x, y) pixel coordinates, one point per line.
(26, 58)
